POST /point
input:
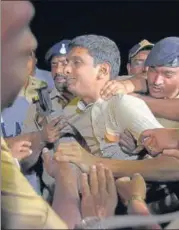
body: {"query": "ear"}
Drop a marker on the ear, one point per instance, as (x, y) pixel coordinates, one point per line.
(128, 68)
(104, 71)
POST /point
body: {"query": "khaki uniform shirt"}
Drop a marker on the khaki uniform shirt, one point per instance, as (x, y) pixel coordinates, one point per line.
(21, 207)
(110, 119)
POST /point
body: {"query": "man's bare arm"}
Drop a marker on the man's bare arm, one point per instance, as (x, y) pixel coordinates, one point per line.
(164, 108)
(161, 168)
(139, 83)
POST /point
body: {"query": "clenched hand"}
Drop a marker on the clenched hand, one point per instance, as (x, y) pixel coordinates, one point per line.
(21, 149)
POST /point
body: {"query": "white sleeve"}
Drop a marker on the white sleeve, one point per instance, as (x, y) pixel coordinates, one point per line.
(133, 114)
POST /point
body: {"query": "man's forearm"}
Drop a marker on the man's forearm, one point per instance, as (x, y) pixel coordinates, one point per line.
(66, 198)
(140, 84)
(163, 108)
(161, 168)
(140, 208)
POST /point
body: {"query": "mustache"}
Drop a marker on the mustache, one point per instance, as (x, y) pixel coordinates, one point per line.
(59, 75)
(156, 85)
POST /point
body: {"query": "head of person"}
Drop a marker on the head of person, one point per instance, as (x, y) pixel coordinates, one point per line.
(17, 42)
(92, 60)
(56, 57)
(163, 72)
(137, 56)
(31, 64)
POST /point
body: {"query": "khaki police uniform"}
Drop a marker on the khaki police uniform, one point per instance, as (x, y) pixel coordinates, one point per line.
(21, 206)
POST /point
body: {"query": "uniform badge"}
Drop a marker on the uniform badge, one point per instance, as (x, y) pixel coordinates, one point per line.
(63, 49)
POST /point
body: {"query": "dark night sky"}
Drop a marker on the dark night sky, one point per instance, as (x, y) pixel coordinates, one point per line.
(126, 22)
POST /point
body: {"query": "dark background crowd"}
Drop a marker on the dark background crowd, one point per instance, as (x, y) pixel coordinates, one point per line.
(125, 22)
(88, 140)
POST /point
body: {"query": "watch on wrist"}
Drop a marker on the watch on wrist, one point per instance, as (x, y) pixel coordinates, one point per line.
(90, 223)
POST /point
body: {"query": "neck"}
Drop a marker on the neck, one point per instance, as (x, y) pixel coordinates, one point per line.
(68, 95)
(95, 94)
(174, 95)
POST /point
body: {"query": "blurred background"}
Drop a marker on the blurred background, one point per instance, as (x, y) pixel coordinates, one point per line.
(126, 22)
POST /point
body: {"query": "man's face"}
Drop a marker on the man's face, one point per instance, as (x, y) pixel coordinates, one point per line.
(81, 73)
(31, 64)
(57, 69)
(17, 43)
(136, 66)
(163, 82)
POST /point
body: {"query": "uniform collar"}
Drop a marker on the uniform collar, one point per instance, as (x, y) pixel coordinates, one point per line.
(82, 106)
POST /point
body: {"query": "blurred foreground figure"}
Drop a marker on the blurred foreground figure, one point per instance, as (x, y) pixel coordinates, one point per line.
(40, 74)
(21, 206)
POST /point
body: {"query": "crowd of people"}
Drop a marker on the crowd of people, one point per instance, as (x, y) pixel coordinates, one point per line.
(82, 143)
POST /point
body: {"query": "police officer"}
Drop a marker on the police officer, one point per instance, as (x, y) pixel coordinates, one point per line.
(56, 57)
(137, 56)
(59, 102)
(12, 118)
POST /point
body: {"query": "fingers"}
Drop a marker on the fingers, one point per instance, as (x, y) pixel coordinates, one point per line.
(151, 145)
(93, 180)
(171, 153)
(145, 134)
(110, 182)
(138, 185)
(55, 121)
(128, 134)
(26, 149)
(53, 138)
(129, 145)
(66, 145)
(46, 156)
(24, 154)
(101, 176)
(110, 91)
(123, 186)
(101, 180)
(62, 126)
(122, 181)
(138, 178)
(65, 158)
(106, 86)
(85, 189)
(69, 150)
(127, 140)
(112, 88)
(119, 182)
(26, 144)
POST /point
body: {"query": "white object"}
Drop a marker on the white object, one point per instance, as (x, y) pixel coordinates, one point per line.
(63, 49)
